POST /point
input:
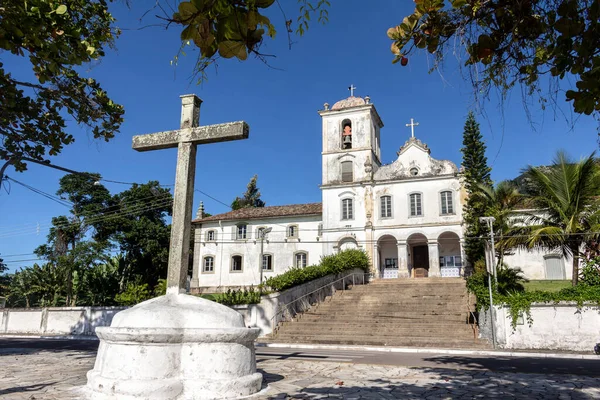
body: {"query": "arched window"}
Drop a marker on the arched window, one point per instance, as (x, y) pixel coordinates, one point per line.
(347, 209)
(386, 206)
(236, 264)
(347, 173)
(301, 259)
(446, 202)
(211, 236)
(416, 207)
(208, 265)
(346, 134)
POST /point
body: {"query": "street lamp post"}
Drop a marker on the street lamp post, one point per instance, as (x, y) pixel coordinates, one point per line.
(490, 223)
(262, 233)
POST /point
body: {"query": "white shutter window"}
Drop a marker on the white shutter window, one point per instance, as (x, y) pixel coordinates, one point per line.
(446, 202)
(415, 205)
(386, 206)
(347, 209)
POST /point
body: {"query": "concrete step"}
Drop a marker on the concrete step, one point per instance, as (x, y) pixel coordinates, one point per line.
(350, 325)
(388, 341)
(298, 328)
(387, 318)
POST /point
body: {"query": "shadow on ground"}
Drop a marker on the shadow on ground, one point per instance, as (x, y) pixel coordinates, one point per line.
(526, 364)
(21, 389)
(441, 383)
(11, 346)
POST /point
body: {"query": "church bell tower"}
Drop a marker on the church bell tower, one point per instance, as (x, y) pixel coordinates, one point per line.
(351, 137)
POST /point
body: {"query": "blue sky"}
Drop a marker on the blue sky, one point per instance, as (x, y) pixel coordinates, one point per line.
(280, 103)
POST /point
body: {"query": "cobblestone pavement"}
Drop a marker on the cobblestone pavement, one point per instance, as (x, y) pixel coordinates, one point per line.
(36, 375)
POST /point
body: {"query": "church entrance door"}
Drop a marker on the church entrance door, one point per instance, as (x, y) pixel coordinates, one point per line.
(420, 261)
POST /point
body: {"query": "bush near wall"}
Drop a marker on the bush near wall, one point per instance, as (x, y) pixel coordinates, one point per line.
(332, 264)
(519, 302)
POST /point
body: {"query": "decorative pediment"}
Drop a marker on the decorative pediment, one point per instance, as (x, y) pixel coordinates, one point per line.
(414, 142)
(414, 161)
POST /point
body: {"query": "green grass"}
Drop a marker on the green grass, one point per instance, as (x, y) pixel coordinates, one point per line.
(547, 286)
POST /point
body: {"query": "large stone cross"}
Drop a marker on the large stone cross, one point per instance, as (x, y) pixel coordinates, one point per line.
(186, 139)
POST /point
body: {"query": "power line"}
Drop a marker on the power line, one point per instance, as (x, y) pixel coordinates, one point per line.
(58, 200)
(15, 255)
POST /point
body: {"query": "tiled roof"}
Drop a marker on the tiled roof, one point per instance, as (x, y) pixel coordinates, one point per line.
(266, 212)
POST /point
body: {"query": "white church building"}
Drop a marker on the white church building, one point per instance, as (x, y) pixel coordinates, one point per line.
(406, 215)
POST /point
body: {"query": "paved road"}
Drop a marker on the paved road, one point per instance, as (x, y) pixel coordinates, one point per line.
(427, 360)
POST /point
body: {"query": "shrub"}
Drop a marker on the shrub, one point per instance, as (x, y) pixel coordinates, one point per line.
(590, 273)
(238, 296)
(510, 280)
(160, 289)
(331, 264)
(133, 294)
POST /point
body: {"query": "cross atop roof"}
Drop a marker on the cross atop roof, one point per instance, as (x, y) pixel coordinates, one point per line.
(352, 88)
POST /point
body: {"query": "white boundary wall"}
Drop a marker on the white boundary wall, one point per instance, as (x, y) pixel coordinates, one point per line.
(559, 326)
(273, 309)
(56, 320)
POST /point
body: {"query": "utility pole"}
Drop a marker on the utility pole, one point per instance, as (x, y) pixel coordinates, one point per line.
(490, 223)
(262, 233)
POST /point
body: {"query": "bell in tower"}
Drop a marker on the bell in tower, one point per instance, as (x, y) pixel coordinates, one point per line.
(347, 135)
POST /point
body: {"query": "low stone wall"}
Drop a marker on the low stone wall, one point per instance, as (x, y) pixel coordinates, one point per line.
(278, 307)
(56, 320)
(555, 327)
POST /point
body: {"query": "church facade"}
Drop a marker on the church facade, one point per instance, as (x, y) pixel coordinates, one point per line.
(406, 215)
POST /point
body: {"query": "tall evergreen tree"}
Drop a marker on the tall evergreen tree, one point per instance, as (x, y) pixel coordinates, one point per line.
(476, 173)
(251, 198)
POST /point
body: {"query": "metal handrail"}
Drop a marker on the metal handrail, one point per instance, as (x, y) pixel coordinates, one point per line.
(472, 313)
(281, 307)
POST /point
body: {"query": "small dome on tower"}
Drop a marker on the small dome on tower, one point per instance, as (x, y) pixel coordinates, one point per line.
(351, 101)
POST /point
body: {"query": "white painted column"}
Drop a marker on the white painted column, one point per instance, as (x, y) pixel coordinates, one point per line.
(402, 259)
(434, 258)
(195, 283)
(462, 256)
(376, 261)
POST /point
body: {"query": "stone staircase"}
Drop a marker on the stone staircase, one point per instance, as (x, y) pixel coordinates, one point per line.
(429, 312)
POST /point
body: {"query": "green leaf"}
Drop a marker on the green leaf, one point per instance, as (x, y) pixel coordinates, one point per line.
(60, 10)
(229, 49)
(187, 10)
(458, 3)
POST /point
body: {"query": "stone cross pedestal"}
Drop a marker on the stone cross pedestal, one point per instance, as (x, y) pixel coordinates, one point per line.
(178, 347)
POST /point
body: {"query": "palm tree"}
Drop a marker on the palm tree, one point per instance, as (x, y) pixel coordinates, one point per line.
(501, 202)
(567, 203)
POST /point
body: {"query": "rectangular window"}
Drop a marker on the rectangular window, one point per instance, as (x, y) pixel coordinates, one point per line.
(242, 232)
(300, 260)
(446, 200)
(209, 264)
(415, 205)
(267, 262)
(292, 231)
(320, 230)
(347, 171)
(391, 263)
(347, 211)
(236, 264)
(210, 235)
(386, 206)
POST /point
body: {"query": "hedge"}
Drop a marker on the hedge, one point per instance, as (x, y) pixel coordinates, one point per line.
(332, 264)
